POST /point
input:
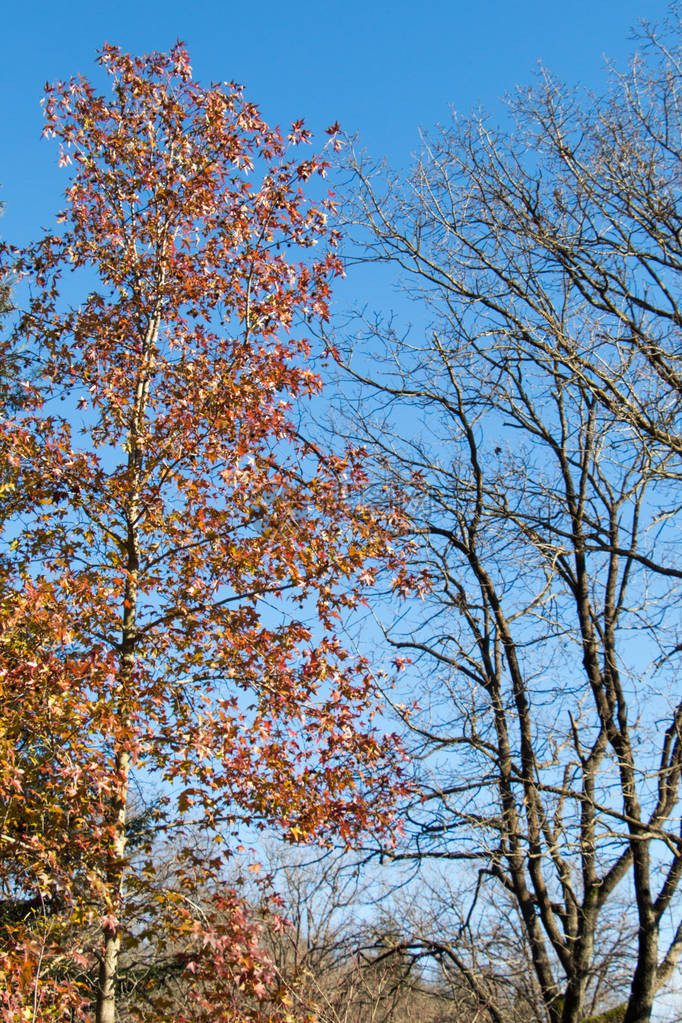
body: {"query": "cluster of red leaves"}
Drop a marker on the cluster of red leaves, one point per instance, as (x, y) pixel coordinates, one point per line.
(181, 556)
(24, 996)
(219, 969)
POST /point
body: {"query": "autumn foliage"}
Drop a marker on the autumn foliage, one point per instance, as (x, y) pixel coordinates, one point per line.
(179, 554)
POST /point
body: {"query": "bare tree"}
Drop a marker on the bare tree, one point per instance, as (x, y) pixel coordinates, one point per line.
(343, 953)
(534, 434)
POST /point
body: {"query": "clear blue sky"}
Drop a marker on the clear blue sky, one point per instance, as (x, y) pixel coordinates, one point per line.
(381, 69)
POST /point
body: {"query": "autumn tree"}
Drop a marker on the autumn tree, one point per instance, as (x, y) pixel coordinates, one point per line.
(534, 429)
(179, 554)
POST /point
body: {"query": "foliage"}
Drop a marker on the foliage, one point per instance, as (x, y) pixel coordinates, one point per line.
(179, 553)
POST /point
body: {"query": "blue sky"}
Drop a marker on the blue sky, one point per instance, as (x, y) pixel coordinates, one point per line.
(381, 69)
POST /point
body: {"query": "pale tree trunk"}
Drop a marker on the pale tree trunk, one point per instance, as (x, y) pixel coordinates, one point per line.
(105, 1008)
(108, 971)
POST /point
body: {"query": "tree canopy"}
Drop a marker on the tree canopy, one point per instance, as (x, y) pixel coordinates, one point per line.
(179, 553)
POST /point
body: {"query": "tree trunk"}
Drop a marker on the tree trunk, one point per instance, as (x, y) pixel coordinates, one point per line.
(644, 984)
(108, 971)
(572, 1011)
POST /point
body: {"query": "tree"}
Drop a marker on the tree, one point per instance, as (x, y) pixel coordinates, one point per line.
(180, 553)
(543, 487)
(343, 946)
